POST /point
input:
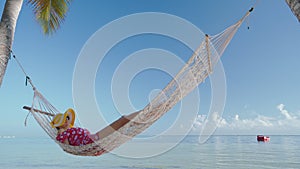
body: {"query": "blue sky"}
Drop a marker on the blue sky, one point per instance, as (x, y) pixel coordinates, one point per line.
(261, 63)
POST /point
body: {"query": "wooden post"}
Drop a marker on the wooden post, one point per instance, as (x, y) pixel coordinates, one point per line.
(38, 111)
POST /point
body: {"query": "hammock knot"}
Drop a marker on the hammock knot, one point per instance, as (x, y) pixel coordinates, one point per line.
(250, 10)
(29, 80)
(26, 81)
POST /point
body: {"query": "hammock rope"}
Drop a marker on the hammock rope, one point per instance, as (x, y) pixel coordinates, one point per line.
(23, 70)
(196, 70)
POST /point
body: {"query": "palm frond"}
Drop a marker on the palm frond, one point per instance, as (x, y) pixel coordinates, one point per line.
(50, 13)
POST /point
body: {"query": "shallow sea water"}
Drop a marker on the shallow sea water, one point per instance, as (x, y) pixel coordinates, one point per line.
(224, 152)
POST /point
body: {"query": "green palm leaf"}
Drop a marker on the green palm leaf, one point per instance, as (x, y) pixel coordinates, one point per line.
(50, 13)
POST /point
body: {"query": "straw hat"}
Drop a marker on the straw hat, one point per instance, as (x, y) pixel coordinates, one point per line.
(60, 119)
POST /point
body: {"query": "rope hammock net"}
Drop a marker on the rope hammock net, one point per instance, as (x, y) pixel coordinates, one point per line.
(196, 70)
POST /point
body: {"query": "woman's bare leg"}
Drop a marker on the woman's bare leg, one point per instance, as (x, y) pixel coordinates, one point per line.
(116, 125)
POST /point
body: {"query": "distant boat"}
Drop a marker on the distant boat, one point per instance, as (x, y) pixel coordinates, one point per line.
(263, 138)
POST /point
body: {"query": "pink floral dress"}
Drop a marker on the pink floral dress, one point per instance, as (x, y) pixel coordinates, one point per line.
(76, 136)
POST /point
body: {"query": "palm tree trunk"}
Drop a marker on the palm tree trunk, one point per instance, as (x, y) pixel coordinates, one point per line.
(7, 29)
(295, 7)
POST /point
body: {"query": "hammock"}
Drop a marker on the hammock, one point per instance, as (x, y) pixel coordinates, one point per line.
(295, 7)
(195, 71)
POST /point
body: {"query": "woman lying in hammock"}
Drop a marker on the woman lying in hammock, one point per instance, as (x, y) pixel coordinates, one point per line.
(68, 134)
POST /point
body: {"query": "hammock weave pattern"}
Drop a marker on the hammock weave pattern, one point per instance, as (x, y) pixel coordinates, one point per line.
(195, 71)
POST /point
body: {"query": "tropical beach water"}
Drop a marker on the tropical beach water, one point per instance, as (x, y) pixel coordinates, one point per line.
(224, 152)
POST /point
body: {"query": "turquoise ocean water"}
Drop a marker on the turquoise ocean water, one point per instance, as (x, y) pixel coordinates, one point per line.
(224, 152)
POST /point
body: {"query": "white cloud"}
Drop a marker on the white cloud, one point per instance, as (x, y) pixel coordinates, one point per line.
(284, 112)
(237, 117)
(198, 123)
(289, 122)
